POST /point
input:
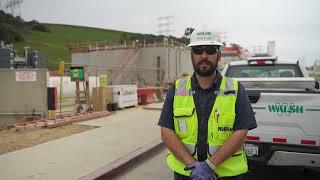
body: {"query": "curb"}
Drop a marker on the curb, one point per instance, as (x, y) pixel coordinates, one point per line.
(124, 163)
(152, 108)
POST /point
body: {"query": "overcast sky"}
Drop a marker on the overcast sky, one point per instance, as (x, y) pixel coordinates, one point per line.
(293, 24)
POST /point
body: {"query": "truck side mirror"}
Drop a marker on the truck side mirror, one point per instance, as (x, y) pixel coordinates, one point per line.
(317, 85)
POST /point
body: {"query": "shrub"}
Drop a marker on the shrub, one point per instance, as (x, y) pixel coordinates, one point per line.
(40, 27)
(9, 34)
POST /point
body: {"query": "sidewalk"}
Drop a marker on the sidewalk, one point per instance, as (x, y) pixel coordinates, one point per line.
(154, 106)
(77, 155)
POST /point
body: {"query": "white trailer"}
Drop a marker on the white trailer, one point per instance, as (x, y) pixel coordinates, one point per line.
(125, 95)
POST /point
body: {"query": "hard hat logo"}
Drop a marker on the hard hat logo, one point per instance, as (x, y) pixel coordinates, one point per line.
(199, 38)
(204, 33)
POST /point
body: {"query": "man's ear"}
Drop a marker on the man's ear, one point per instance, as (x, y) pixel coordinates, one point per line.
(219, 55)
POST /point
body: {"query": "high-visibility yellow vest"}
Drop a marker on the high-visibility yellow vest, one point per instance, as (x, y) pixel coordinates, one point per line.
(220, 126)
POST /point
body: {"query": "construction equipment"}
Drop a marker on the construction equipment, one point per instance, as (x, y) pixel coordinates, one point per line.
(9, 59)
(81, 74)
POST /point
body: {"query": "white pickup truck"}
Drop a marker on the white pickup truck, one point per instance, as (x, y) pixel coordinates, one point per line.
(286, 103)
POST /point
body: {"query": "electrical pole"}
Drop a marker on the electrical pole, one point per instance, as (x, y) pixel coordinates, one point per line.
(165, 25)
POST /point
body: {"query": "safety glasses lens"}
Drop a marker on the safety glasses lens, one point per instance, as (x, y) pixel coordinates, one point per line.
(197, 50)
(210, 50)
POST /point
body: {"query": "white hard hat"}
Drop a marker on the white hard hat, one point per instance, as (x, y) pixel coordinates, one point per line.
(203, 37)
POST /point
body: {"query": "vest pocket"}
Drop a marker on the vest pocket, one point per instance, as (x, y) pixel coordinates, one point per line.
(183, 121)
(183, 112)
(225, 125)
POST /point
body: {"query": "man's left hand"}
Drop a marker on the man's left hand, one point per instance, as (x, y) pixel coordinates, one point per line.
(201, 171)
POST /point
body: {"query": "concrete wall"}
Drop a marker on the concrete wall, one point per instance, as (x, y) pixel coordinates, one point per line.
(141, 69)
(21, 98)
(100, 59)
(173, 61)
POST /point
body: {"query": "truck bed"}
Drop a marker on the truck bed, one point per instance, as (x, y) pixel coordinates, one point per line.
(290, 116)
(293, 83)
(286, 104)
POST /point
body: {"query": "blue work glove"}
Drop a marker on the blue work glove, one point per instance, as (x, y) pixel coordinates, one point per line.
(201, 171)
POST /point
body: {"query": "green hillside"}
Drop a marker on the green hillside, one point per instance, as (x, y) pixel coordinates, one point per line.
(54, 44)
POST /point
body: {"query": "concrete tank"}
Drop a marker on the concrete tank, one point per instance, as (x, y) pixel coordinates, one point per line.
(141, 66)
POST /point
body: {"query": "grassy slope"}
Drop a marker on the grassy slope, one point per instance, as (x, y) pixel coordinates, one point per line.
(54, 45)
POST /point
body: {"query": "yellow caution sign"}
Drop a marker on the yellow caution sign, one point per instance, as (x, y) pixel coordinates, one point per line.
(61, 68)
(103, 80)
(52, 113)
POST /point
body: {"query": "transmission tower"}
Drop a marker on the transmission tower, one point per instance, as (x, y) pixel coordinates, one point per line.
(165, 25)
(258, 49)
(222, 36)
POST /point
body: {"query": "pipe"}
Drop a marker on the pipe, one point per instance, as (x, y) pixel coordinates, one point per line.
(23, 113)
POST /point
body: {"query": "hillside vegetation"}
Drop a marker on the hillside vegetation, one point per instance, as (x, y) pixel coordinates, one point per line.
(53, 40)
(53, 45)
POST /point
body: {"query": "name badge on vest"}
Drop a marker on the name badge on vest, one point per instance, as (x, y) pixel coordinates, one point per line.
(182, 126)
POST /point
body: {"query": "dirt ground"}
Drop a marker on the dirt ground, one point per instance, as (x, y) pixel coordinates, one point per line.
(12, 140)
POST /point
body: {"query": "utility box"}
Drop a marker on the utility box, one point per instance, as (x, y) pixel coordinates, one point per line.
(23, 94)
(77, 73)
(125, 95)
(7, 56)
(35, 60)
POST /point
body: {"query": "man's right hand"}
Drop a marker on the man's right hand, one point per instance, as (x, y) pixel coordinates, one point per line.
(201, 171)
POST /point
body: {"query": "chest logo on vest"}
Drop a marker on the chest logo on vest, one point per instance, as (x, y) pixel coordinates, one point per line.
(225, 129)
(183, 92)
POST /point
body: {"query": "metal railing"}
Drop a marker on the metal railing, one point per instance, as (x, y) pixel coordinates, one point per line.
(104, 45)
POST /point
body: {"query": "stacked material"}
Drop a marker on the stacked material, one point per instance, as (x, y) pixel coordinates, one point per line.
(101, 97)
(60, 121)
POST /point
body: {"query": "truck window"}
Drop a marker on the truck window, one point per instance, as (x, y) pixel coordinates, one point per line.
(263, 71)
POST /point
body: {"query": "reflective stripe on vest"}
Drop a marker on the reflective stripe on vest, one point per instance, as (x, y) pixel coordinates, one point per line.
(212, 149)
(220, 126)
(191, 148)
(229, 89)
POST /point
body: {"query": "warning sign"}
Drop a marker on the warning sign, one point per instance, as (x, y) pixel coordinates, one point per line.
(26, 76)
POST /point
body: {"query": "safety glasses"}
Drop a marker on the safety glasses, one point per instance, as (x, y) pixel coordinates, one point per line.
(210, 50)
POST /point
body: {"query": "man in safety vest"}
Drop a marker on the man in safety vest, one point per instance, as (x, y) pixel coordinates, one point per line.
(206, 117)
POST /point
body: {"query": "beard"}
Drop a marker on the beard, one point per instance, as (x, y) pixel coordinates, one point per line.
(204, 71)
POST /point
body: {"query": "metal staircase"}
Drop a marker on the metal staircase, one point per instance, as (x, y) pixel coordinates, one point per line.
(122, 65)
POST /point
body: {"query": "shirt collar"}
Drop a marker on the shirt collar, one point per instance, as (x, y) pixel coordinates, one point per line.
(195, 83)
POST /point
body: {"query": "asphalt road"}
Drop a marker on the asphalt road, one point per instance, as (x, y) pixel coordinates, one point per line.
(156, 169)
(281, 173)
